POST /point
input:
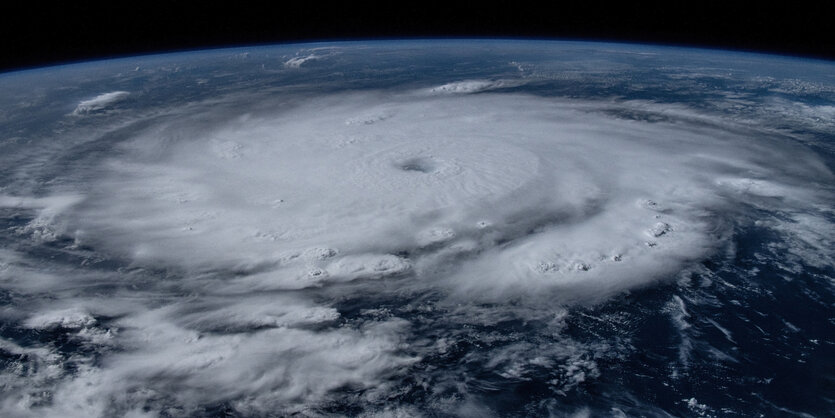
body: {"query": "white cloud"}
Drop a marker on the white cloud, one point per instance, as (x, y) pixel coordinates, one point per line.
(43, 226)
(99, 102)
(296, 62)
(558, 183)
(473, 86)
(66, 318)
(308, 55)
(287, 369)
(260, 227)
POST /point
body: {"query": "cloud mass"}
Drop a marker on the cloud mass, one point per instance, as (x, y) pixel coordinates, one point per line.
(304, 253)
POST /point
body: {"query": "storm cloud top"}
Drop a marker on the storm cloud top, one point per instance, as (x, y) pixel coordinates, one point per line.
(252, 250)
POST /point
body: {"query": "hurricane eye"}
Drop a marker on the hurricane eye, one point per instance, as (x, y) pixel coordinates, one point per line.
(420, 165)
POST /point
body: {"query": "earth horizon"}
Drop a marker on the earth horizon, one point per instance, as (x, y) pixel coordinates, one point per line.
(419, 228)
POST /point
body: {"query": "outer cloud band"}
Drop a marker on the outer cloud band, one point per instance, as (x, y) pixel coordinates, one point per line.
(481, 198)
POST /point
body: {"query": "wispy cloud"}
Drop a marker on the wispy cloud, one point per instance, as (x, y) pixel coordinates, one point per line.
(99, 102)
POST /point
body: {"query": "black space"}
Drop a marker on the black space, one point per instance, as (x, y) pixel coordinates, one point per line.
(38, 33)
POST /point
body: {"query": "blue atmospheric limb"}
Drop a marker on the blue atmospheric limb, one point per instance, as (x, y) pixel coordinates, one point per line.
(408, 228)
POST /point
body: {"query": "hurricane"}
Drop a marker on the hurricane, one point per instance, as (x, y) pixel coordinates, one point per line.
(458, 228)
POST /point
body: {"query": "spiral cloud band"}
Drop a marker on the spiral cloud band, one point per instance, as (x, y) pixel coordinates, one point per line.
(257, 240)
(489, 194)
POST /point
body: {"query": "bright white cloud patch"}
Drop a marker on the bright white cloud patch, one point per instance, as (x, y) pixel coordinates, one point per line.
(99, 102)
(308, 55)
(525, 194)
(473, 86)
(297, 62)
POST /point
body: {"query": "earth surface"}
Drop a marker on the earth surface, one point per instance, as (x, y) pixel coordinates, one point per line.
(419, 228)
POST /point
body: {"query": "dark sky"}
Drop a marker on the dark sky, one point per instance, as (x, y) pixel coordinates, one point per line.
(37, 33)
